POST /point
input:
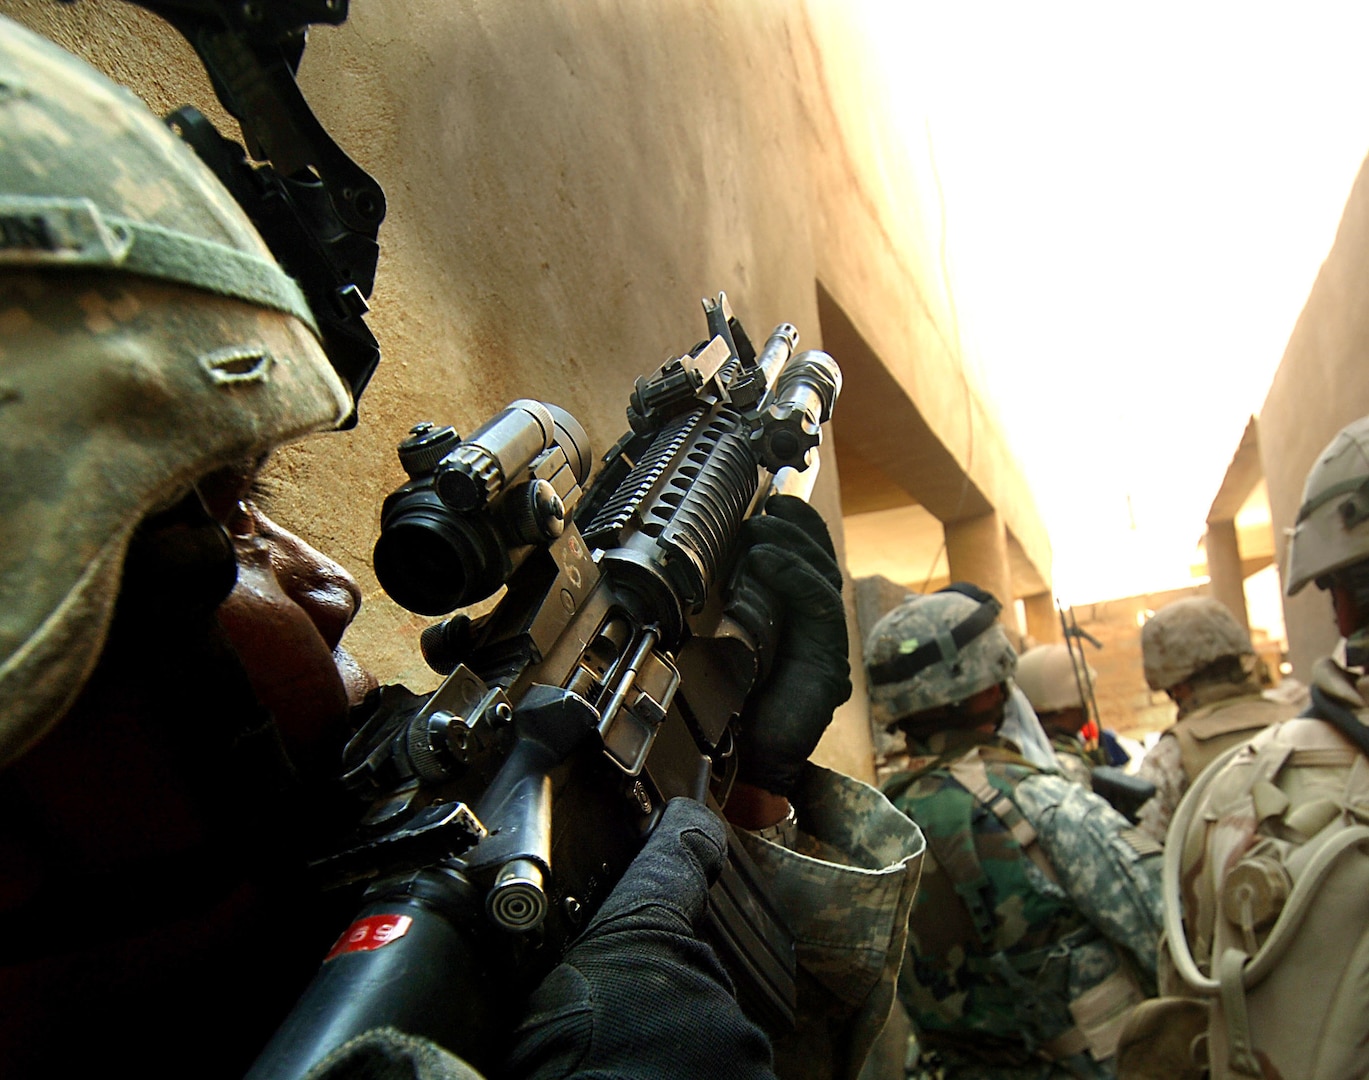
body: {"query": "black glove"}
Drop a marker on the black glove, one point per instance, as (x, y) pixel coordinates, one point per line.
(638, 994)
(787, 590)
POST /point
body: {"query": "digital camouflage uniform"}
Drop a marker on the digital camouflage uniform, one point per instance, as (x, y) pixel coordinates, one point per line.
(845, 890)
(1034, 928)
(1033, 931)
(1076, 760)
(1219, 716)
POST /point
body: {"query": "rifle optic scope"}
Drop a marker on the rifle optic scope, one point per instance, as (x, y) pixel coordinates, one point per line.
(473, 508)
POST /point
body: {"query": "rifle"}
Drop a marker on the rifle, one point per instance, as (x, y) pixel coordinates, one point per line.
(609, 677)
(500, 809)
(1124, 792)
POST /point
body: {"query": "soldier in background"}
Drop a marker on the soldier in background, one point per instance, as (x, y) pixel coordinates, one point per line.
(1050, 677)
(1196, 651)
(1266, 906)
(1034, 931)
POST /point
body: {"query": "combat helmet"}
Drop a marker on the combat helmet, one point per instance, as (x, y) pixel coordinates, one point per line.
(1185, 637)
(936, 650)
(1331, 531)
(1052, 678)
(149, 338)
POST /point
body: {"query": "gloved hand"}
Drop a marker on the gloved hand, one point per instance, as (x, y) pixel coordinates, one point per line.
(787, 590)
(638, 994)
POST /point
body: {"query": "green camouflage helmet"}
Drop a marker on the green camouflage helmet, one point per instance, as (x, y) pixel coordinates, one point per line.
(1186, 636)
(146, 339)
(936, 650)
(1332, 531)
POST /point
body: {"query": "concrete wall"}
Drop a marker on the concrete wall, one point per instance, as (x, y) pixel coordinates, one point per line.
(563, 186)
(1321, 385)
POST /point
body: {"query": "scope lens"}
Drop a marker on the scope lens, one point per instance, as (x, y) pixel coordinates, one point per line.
(420, 561)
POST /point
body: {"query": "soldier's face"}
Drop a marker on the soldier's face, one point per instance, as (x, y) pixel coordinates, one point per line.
(1347, 611)
(1063, 722)
(984, 710)
(286, 614)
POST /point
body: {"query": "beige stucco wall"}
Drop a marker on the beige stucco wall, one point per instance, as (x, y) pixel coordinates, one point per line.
(563, 186)
(1321, 385)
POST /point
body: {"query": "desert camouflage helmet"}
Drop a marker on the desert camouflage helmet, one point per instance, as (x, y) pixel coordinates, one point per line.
(1186, 636)
(1332, 530)
(935, 650)
(148, 339)
(1052, 678)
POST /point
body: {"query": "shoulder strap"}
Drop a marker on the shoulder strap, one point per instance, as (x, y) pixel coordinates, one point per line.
(1344, 720)
(969, 771)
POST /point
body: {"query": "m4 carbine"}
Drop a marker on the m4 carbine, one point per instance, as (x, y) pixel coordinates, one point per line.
(501, 809)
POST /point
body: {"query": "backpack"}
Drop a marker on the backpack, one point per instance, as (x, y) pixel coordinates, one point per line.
(1265, 964)
(1208, 732)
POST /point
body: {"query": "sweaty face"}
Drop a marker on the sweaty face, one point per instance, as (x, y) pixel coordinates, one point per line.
(286, 614)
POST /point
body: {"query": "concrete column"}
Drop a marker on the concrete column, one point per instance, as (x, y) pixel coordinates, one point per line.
(1224, 568)
(977, 551)
(1043, 621)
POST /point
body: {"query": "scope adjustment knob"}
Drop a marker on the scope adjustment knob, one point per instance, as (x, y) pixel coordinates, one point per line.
(425, 446)
(469, 478)
(541, 515)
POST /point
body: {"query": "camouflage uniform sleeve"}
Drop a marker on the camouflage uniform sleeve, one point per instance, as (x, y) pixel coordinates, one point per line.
(1111, 874)
(1069, 753)
(845, 892)
(1162, 766)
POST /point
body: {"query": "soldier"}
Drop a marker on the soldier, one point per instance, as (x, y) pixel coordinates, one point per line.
(173, 697)
(1034, 930)
(1050, 677)
(1196, 651)
(1265, 899)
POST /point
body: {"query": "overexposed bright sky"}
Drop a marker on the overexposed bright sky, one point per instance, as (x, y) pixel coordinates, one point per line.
(1137, 200)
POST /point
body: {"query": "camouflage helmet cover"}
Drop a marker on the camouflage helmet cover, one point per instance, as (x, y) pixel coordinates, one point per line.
(959, 671)
(1186, 636)
(148, 339)
(1332, 530)
(1052, 679)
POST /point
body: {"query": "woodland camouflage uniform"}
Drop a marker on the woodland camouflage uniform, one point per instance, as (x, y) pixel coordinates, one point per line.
(1035, 927)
